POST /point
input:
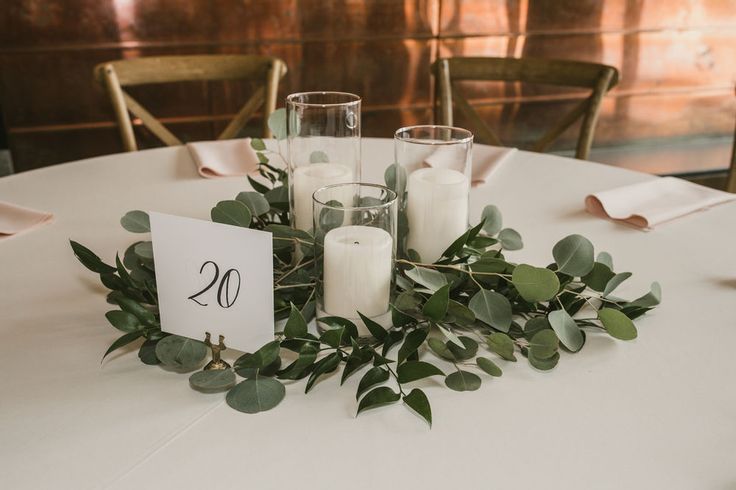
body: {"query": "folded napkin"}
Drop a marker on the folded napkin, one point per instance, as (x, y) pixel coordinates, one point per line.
(224, 158)
(16, 219)
(653, 202)
(486, 159)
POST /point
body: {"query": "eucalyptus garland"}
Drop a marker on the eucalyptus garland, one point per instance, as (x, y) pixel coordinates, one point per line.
(460, 319)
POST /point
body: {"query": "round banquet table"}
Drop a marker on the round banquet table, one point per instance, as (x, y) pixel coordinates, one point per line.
(657, 412)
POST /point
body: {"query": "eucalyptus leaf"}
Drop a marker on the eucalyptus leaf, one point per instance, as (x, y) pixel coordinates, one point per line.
(429, 278)
(544, 364)
(491, 308)
(598, 277)
(566, 329)
(488, 366)
(502, 344)
(605, 259)
(417, 401)
(617, 324)
(415, 370)
(574, 255)
(256, 395)
(440, 349)
(147, 352)
(544, 344)
(451, 337)
(318, 156)
(256, 203)
(231, 213)
(493, 220)
(180, 352)
(510, 239)
(257, 144)
(395, 178)
(213, 381)
(534, 283)
(463, 381)
(467, 351)
(277, 124)
(615, 282)
(136, 222)
(651, 299)
(460, 314)
(144, 250)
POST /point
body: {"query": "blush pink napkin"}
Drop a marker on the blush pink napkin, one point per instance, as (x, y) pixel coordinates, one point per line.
(653, 202)
(486, 159)
(16, 219)
(225, 158)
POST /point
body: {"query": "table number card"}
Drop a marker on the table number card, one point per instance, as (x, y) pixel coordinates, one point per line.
(214, 278)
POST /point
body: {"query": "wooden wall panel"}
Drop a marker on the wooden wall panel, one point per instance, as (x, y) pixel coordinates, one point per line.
(676, 60)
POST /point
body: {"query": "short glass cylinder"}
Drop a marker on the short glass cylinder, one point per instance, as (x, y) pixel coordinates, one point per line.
(355, 248)
(432, 177)
(323, 137)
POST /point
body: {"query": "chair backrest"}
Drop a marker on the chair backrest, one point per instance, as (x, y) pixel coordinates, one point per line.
(599, 78)
(115, 75)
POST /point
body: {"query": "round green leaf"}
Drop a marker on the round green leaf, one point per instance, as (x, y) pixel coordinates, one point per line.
(544, 344)
(231, 213)
(501, 344)
(429, 278)
(605, 259)
(144, 250)
(147, 352)
(544, 364)
(534, 283)
(212, 381)
(493, 219)
(510, 239)
(395, 178)
(463, 381)
(574, 255)
(277, 124)
(180, 352)
(534, 325)
(598, 277)
(257, 144)
(491, 308)
(489, 366)
(318, 156)
(467, 351)
(256, 395)
(617, 324)
(651, 299)
(257, 204)
(136, 222)
(566, 329)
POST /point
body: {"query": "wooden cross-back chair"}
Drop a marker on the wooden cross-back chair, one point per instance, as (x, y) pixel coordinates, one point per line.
(115, 75)
(599, 78)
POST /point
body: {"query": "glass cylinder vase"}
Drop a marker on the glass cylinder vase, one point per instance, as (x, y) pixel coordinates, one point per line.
(323, 137)
(355, 249)
(434, 164)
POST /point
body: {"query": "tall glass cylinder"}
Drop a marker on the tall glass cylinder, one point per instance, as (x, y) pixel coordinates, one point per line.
(355, 249)
(434, 164)
(323, 135)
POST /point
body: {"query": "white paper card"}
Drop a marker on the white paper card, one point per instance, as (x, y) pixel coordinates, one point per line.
(214, 278)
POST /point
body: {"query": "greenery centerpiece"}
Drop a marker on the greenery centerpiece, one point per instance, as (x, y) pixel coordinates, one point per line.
(466, 316)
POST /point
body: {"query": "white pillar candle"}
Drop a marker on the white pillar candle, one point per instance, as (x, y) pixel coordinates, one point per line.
(309, 178)
(358, 262)
(437, 210)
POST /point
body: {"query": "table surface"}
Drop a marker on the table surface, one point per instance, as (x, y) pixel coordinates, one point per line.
(657, 412)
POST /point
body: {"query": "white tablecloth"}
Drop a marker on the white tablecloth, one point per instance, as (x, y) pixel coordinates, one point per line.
(658, 412)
